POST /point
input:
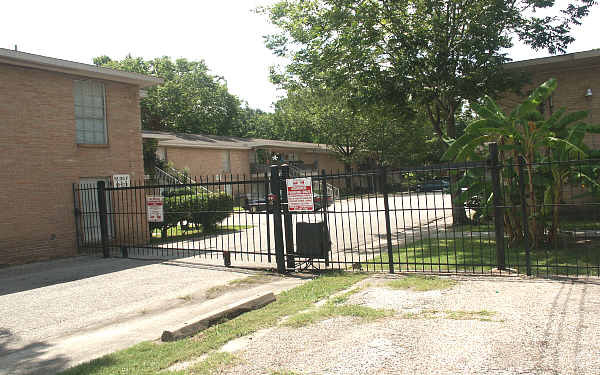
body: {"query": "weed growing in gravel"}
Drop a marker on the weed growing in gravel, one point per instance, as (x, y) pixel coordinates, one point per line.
(214, 362)
(482, 315)
(338, 300)
(421, 283)
(283, 372)
(336, 307)
(151, 358)
(330, 310)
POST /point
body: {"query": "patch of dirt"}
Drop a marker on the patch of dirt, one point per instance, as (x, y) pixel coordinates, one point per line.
(243, 283)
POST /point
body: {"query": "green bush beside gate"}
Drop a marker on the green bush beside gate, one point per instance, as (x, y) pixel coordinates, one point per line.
(194, 209)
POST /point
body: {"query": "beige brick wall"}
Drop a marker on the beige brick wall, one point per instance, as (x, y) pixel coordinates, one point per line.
(327, 161)
(201, 162)
(573, 82)
(40, 160)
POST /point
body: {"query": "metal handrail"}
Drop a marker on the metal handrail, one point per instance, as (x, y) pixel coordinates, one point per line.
(176, 181)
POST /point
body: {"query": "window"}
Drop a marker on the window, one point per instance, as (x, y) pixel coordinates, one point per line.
(227, 161)
(90, 115)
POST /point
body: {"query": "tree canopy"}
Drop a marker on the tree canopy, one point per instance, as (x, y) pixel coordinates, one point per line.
(434, 54)
(191, 99)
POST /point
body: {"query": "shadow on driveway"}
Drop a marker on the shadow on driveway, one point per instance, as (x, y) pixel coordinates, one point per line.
(29, 359)
(25, 277)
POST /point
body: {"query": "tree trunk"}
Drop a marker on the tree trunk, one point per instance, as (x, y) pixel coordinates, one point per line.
(459, 214)
(348, 172)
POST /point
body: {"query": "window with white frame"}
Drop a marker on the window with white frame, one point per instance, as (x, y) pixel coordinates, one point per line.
(227, 161)
(90, 114)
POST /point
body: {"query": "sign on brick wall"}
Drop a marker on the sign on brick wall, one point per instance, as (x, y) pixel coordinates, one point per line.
(300, 194)
(121, 180)
(154, 209)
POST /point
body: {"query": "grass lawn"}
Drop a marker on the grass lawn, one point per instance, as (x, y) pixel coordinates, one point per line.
(152, 358)
(177, 233)
(566, 224)
(478, 254)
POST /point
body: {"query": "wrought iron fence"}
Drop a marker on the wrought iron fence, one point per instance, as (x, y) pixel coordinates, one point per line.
(539, 219)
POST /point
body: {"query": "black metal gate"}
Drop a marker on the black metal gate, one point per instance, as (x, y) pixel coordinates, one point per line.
(440, 219)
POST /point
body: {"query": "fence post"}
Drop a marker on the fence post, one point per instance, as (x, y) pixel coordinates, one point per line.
(524, 215)
(267, 189)
(101, 190)
(287, 219)
(388, 227)
(498, 206)
(277, 225)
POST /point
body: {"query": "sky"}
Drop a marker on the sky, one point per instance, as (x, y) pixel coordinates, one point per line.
(226, 34)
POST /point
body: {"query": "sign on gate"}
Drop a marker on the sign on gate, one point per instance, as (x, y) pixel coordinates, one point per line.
(300, 194)
(154, 208)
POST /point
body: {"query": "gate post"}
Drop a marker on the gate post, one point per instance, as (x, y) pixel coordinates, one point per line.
(287, 219)
(101, 189)
(388, 226)
(525, 217)
(277, 225)
(498, 206)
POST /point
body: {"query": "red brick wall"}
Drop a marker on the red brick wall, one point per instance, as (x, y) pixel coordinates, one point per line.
(40, 160)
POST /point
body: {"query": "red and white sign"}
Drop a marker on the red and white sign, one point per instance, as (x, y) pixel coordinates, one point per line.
(154, 208)
(300, 194)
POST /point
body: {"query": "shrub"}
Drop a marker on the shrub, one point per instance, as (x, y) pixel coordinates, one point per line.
(206, 209)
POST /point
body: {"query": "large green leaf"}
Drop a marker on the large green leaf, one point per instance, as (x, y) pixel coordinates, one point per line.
(459, 144)
(569, 147)
(570, 118)
(543, 91)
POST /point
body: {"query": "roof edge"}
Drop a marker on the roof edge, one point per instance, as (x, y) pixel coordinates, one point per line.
(575, 56)
(29, 60)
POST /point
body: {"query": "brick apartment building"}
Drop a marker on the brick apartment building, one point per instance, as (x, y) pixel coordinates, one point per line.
(62, 123)
(209, 155)
(578, 78)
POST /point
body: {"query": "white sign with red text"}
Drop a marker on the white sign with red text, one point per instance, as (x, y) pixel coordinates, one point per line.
(154, 208)
(300, 194)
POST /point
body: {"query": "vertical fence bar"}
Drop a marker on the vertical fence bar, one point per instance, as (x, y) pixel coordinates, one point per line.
(103, 217)
(325, 237)
(388, 226)
(498, 206)
(277, 224)
(287, 218)
(77, 212)
(524, 215)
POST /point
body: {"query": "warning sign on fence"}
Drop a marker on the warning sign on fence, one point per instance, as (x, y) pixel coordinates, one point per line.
(300, 194)
(154, 208)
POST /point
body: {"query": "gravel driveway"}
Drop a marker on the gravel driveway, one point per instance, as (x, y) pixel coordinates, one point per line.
(480, 326)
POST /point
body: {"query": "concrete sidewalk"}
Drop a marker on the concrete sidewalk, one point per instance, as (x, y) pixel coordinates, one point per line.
(54, 315)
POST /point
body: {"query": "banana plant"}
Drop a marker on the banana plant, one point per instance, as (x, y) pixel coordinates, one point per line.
(526, 133)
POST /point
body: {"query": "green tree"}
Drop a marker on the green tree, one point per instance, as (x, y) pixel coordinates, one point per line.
(354, 130)
(430, 54)
(191, 100)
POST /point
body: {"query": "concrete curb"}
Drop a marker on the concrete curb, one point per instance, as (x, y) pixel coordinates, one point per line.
(227, 312)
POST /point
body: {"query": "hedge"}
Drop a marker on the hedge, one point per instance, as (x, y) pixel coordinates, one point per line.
(206, 209)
